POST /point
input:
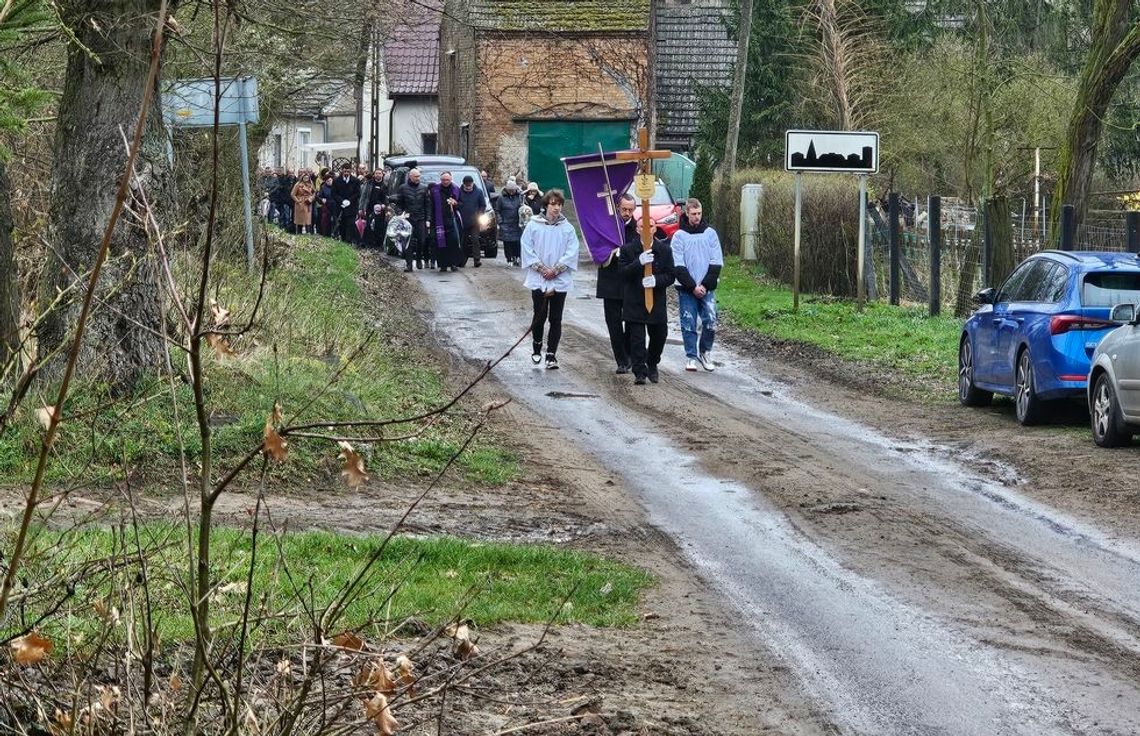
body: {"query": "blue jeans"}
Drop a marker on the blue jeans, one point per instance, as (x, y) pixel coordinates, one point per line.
(693, 309)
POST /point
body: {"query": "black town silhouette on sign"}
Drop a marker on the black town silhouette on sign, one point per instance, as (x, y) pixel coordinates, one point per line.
(831, 160)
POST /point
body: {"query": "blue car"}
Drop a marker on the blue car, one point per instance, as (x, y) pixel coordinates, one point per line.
(1034, 337)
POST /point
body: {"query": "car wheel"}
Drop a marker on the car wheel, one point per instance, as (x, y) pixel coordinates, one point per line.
(1105, 416)
(968, 393)
(1028, 406)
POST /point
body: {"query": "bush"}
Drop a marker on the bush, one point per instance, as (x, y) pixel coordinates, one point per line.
(829, 229)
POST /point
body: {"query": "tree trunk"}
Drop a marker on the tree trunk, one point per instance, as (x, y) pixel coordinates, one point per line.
(1001, 238)
(744, 35)
(1115, 44)
(9, 278)
(98, 111)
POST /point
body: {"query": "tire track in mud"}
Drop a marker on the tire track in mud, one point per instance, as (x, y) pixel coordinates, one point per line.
(897, 609)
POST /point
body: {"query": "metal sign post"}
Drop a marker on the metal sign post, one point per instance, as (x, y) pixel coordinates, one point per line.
(861, 281)
(796, 251)
(191, 103)
(836, 152)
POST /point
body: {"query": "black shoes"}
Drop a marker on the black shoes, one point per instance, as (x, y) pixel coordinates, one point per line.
(653, 376)
(639, 381)
(536, 355)
(407, 269)
(551, 362)
(622, 370)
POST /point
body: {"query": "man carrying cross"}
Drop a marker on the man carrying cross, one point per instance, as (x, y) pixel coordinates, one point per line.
(611, 286)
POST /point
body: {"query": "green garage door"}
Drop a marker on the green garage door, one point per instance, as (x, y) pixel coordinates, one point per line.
(549, 141)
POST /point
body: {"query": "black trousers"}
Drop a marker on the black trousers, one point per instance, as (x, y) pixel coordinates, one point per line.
(645, 362)
(619, 334)
(548, 305)
(471, 243)
(512, 249)
(346, 226)
(413, 251)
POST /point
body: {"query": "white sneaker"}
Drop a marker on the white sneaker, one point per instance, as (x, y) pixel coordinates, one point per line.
(691, 365)
(707, 363)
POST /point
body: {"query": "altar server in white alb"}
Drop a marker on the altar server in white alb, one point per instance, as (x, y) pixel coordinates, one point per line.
(549, 257)
(697, 259)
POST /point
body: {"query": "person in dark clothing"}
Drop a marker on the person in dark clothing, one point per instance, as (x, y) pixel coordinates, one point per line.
(445, 222)
(375, 227)
(374, 192)
(507, 213)
(411, 198)
(640, 322)
(472, 204)
(324, 197)
(611, 287)
(282, 199)
(488, 184)
(533, 198)
(346, 196)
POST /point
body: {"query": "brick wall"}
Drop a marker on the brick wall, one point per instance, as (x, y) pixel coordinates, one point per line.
(457, 74)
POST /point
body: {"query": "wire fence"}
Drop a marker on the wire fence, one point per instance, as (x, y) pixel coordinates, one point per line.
(965, 252)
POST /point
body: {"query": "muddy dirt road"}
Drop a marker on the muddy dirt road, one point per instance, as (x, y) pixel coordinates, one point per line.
(907, 592)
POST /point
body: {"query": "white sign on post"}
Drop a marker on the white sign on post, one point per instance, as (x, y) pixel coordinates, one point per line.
(834, 152)
(831, 151)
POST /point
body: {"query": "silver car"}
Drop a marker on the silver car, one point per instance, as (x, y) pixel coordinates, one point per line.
(1114, 381)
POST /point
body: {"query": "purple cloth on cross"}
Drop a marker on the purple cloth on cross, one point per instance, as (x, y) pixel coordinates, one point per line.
(596, 203)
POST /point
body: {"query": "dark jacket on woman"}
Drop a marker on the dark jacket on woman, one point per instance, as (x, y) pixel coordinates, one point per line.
(633, 303)
(507, 212)
(535, 204)
(611, 284)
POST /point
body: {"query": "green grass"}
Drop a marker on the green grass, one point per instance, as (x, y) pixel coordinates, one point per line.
(315, 323)
(901, 339)
(431, 578)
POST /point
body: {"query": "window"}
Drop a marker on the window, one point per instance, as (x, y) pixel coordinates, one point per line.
(305, 136)
(1012, 286)
(1032, 289)
(1107, 289)
(1057, 285)
(427, 143)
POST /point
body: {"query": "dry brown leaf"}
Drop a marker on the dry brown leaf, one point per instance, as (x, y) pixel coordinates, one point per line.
(464, 648)
(284, 667)
(348, 640)
(44, 415)
(221, 314)
(30, 648)
(376, 676)
(376, 710)
(277, 415)
(64, 723)
(406, 670)
(276, 446)
(220, 346)
(109, 697)
(175, 683)
(353, 467)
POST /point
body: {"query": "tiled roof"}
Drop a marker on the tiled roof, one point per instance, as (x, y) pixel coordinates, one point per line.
(314, 95)
(411, 56)
(560, 16)
(693, 47)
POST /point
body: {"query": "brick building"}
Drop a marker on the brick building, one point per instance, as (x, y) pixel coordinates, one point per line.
(524, 83)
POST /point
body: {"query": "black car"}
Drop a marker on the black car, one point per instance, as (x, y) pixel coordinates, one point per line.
(431, 169)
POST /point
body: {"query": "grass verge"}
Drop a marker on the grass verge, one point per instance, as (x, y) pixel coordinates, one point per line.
(898, 339)
(319, 346)
(428, 578)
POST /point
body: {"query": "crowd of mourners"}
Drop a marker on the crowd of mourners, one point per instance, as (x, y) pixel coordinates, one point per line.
(434, 224)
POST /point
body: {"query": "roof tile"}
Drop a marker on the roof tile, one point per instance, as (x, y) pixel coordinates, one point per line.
(411, 56)
(562, 16)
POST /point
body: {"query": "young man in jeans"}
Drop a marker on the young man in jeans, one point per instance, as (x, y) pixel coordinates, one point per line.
(698, 260)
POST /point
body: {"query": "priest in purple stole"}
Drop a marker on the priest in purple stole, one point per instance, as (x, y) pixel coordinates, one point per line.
(445, 226)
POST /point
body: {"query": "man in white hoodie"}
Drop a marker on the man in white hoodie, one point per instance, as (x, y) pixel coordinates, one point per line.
(549, 256)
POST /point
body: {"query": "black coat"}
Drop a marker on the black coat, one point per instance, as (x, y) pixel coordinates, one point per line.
(611, 285)
(507, 210)
(342, 190)
(283, 190)
(372, 193)
(633, 304)
(471, 205)
(534, 204)
(413, 199)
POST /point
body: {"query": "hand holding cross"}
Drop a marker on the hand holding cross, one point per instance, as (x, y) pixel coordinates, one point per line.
(644, 157)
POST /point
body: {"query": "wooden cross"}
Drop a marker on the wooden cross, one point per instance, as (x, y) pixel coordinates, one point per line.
(644, 158)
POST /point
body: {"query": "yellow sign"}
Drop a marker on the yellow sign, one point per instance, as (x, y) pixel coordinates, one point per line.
(644, 186)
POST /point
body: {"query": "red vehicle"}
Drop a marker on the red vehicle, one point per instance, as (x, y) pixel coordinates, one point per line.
(664, 212)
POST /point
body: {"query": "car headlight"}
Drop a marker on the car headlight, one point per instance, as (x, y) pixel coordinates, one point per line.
(484, 220)
(672, 219)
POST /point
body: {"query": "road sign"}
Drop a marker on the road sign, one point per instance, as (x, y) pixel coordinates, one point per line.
(190, 102)
(831, 151)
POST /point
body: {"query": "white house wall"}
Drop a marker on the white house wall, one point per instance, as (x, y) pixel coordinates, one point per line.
(291, 131)
(411, 118)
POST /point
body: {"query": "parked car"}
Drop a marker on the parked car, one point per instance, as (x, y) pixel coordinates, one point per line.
(431, 169)
(1034, 338)
(663, 211)
(1114, 379)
